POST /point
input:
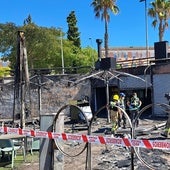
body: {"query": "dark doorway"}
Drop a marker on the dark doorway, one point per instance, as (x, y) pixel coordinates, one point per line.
(101, 101)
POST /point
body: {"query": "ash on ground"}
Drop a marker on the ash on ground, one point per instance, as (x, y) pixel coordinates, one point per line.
(123, 158)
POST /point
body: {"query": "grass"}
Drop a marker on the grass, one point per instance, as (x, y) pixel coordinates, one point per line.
(19, 161)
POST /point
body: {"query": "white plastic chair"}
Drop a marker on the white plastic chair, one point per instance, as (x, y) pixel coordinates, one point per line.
(7, 146)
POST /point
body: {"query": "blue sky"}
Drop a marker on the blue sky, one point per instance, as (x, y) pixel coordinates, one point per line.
(125, 29)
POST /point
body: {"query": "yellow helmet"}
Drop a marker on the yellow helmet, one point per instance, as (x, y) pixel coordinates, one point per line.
(115, 97)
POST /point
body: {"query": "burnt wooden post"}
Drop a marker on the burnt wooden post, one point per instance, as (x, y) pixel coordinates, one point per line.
(46, 145)
(21, 78)
(50, 157)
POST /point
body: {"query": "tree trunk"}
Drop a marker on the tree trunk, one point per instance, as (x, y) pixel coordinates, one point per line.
(161, 31)
(106, 39)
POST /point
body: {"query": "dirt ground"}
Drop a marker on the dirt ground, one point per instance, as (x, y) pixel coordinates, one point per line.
(29, 166)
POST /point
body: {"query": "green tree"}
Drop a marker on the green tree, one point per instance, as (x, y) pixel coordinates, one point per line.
(8, 34)
(92, 56)
(160, 12)
(28, 20)
(101, 10)
(84, 60)
(43, 47)
(4, 71)
(73, 33)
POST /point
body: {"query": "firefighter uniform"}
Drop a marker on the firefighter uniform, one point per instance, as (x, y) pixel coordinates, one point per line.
(114, 113)
(134, 106)
(167, 128)
(166, 132)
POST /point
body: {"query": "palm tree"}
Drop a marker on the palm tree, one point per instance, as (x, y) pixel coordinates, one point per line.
(160, 11)
(102, 9)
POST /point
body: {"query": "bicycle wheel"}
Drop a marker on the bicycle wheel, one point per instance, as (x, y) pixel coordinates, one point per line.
(70, 119)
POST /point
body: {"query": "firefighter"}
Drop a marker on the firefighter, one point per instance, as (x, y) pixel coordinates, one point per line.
(115, 113)
(167, 127)
(134, 106)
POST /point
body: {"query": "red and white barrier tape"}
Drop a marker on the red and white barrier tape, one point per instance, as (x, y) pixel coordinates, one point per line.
(124, 142)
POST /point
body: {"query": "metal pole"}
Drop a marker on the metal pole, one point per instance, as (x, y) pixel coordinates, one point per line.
(146, 30)
(89, 153)
(39, 95)
(107, 100)
(146, 24)
(132, 149)
(91, 56)
(62, 57)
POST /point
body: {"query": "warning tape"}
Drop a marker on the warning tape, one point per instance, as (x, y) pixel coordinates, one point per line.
(124, 142)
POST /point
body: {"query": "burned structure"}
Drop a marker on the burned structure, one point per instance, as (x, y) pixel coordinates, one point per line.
(150, 81)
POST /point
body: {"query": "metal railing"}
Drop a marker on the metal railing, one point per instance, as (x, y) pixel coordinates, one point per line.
(134, 62)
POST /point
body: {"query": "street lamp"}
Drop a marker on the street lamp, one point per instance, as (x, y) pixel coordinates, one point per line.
(61, 46)
(91, 55)
(146, 29)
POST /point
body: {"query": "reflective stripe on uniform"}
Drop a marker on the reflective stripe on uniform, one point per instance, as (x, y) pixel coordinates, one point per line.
(167, 130)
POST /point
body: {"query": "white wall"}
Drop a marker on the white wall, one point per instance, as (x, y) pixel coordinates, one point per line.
(161, 86)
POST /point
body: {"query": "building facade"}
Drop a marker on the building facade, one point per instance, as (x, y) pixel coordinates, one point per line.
(132, 56)
(149, 77)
